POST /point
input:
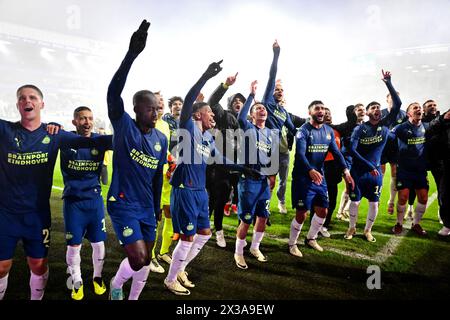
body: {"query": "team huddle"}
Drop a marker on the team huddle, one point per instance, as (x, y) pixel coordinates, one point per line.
(197, 160)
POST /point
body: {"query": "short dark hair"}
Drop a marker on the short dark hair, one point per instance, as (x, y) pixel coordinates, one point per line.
(372, 104)
(173, 99)
(198, 105)
(407, 109)
(430, 100)
(79, 109)
(314, 103)
(255, 104)
(139, 96)
(31, 86)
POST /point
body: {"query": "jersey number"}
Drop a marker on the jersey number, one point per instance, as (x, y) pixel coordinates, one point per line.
(103, 225)
(46, 234)
(378, 190)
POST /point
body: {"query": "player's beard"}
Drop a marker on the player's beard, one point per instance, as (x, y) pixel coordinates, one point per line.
(317, 120)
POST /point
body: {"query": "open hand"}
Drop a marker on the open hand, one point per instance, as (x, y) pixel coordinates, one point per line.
(315, 176)
(386, 75)
(253, 87)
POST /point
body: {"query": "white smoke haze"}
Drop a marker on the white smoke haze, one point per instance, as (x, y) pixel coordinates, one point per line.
(330, 50)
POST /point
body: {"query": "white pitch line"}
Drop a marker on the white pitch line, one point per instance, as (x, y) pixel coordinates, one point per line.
(57, 188)
(391, 246)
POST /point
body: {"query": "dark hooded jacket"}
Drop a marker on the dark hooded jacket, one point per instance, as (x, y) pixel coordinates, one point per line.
(225, 119)
(430, 117)
(345, 129)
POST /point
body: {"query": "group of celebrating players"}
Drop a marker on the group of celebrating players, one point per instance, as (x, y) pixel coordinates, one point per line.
(187, 163)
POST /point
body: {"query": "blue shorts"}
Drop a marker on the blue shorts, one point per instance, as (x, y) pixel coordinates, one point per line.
(132, 223)
(189, 210)
(366, 186)
(414, 181)
(33, 229)
(306, 194)
(84, 218)
(254, 199)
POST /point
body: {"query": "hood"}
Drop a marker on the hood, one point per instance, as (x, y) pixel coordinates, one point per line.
(351, 116)
(231, 99)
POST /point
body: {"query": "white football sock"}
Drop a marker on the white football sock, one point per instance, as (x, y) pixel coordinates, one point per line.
(199, 241)
(179, 256)
(353, 210)
(37, 285)
(124, 273)
(343, 202)
(240, 245)
(393, 189)
(419, 212)
(73, 260)
(138, 283)
(371, 215)
(296, 228)
(98, 258)
(3, 286)
(316, 224)
(400, 213)
(256, 239)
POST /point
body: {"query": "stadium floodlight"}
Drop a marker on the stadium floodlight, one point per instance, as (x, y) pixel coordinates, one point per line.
(46, 53)
(4, 47)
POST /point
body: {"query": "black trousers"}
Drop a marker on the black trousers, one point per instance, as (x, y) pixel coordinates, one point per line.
(220, 183)
(333, 176)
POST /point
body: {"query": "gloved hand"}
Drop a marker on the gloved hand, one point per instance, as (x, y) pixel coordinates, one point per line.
(172, 166)
(213, 69)
(139, 38)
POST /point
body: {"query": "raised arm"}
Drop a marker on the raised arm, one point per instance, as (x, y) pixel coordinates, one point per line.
(242, 116)
(396, 102)
(75, 141)
(268, 94)
(218, 95)
(137, 45)
(186, 112)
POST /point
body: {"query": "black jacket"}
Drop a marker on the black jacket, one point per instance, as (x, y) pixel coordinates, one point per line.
(225, 119)
(345, 129)
(298, 122)
(438, 143)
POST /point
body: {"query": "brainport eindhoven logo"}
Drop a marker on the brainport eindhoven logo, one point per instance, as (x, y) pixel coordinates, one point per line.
(251, 147)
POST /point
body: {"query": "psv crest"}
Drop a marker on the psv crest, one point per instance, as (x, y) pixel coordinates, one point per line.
(46, 140)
